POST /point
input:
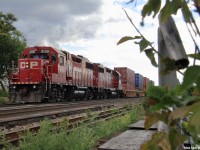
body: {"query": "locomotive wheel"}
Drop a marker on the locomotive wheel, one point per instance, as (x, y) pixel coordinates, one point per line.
(12, 95)
(89, 95)
(104, 95)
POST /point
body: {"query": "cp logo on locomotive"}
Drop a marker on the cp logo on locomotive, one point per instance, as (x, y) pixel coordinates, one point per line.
(27, 64)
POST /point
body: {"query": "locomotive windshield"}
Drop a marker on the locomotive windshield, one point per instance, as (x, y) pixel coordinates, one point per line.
(43, 53)
(40, 55)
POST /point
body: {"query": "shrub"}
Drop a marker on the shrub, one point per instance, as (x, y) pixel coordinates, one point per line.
(4, 100)
(3, 93)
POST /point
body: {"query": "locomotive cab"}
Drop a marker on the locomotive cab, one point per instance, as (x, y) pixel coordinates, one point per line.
(37, 69)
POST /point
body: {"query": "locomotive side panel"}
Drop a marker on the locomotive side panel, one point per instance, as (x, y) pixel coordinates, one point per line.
(89, 74)
(99, 75)
(77, 73)
(60, 77)
(108, 78)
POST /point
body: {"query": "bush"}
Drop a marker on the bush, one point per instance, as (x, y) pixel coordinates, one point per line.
(4, 100)
(4, 97)
(3, 93)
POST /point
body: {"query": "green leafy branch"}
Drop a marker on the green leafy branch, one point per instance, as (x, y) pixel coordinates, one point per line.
(144, 44)
(170, 7)
(160, 98)
(150, 51)
(184, 120)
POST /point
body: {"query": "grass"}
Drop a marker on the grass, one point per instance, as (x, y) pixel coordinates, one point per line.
(4, 97)
(82, 138)
(3, 93)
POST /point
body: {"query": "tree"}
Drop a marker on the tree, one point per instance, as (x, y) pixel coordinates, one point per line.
(12, 43)
(186, 96)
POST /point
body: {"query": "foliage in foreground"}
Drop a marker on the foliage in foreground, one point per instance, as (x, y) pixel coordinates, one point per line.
(179, 107)
(183, 122)
(83, 138)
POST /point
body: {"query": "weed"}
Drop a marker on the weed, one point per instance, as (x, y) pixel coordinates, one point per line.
(82, 138)
(114, 110)
(3, 93)
(6, 145)
(4, 97)
(4, 100)
(88, 113)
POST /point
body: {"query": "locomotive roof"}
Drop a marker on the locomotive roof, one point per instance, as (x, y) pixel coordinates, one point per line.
(44, 47)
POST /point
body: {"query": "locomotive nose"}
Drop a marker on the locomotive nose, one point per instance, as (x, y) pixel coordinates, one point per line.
(31, 70)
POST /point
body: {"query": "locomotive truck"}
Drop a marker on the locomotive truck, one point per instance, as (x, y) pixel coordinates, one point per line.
(45, 74)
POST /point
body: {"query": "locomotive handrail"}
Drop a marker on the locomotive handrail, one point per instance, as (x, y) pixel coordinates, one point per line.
(47, 77)
(50, 70)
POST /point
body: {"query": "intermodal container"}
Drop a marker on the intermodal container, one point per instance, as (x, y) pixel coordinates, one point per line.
(138, 81)
(145, 83)
(127, 77)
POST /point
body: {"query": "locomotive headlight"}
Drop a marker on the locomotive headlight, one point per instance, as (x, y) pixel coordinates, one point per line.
(34, 86)
(14, 87)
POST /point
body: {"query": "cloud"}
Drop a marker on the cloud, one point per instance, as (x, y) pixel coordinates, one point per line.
(90, 28)
(55, 21)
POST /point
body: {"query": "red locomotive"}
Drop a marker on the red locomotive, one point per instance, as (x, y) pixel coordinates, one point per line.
(47, 74)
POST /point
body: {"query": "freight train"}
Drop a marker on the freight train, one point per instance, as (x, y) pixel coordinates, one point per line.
(45, 74)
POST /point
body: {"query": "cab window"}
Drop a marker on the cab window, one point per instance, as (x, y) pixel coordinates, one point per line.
(61, 60)
(34, 56)
(53, 58)
(39, 55)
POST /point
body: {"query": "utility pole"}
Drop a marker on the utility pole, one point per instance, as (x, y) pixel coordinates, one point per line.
(169, 46)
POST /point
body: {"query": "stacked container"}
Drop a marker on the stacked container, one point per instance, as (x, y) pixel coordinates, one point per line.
(146, 82)
(138, 81)
(127, 76)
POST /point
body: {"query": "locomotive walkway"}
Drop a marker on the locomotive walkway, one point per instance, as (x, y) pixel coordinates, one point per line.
(131, 139)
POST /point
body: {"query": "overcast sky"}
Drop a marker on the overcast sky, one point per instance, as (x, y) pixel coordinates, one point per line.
(90, 28)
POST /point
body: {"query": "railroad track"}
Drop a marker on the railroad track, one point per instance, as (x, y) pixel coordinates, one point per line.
(15, 116)
(23, 114)
(73, 122)
(14, 120)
